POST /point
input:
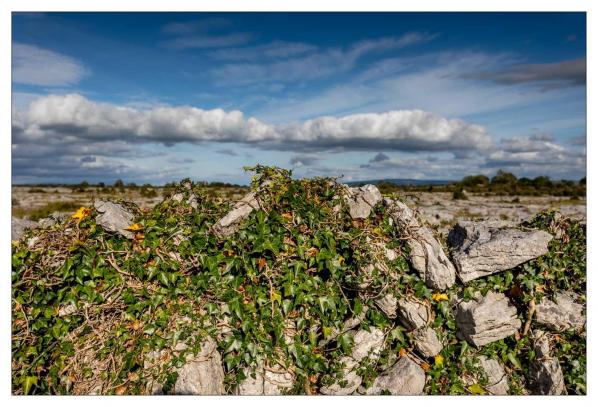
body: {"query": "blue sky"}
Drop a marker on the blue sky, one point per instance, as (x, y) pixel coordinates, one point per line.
(156, 97)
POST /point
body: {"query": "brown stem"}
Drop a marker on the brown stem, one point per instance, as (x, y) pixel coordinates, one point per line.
(530, 314)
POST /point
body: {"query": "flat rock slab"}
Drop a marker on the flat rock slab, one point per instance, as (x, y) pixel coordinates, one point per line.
(18, 227)
(112, 217)
(413, 314)
(404, 378)
(479, 250)
(427, 342)
(427, 255)
(361, 200)
(562, 314)
(498, 383)
(486, 319)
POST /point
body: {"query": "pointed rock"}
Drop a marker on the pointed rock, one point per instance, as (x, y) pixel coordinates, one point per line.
(479, 250)
(562, 314)
(426, 253)
(486, 319)
(388, 305)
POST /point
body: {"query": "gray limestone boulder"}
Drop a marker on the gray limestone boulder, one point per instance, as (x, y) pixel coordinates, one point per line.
(361, 200)
(404, 378)
(486, 319)
(479, 250)
(113, 217)
(562, 314)
(545, 373)
(498, 383)
(427, 342)
(240, 211)
(427, 255)
(18, 227)
(413, 314)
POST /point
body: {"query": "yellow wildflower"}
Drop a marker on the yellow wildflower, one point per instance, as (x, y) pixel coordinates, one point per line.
(438, 360)
(440, 297)
(135, 227)
(81, 213)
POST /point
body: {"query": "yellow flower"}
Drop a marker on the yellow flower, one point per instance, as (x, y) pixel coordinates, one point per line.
(438, 359)
(440, 297)
(81, 213)
(135, 227)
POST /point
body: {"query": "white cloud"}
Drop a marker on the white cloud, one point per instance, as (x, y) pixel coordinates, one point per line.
(32, 65)
(77, 117)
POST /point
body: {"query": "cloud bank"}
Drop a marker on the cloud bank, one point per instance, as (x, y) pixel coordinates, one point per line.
(33, 65)
(76, 117)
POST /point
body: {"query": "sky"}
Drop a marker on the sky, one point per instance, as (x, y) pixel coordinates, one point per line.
(157, 97)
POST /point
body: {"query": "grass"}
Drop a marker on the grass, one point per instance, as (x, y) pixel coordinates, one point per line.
(46, 210)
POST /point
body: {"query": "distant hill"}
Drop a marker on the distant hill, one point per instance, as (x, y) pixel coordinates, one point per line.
(403, 181)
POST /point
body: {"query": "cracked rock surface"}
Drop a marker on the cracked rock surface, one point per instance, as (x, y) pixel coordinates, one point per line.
(486, 319)
(562, 314)
(426, 253)
(404, 378)
(480, 250)
(498, 383)
(361, 200)
(545, 374)
(114, 218)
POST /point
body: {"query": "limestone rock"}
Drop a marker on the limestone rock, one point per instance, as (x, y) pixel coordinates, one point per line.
(203, 373)
(413, 314)
(561, 315)
(352, 379)
(241, 210)
(480, 250)
(361, 200)
(545, 374)
(114, 218)
(426, 253)
(498, 383)
(427, 342)
(367, 343)
(404, 377)
(267, 381)
(486, 319)
(18, 227)
(388, 305)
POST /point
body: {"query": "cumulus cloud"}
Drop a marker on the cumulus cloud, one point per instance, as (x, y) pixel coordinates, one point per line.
(536, 156)
(32, 65)
(550, 75)
(402, 130)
